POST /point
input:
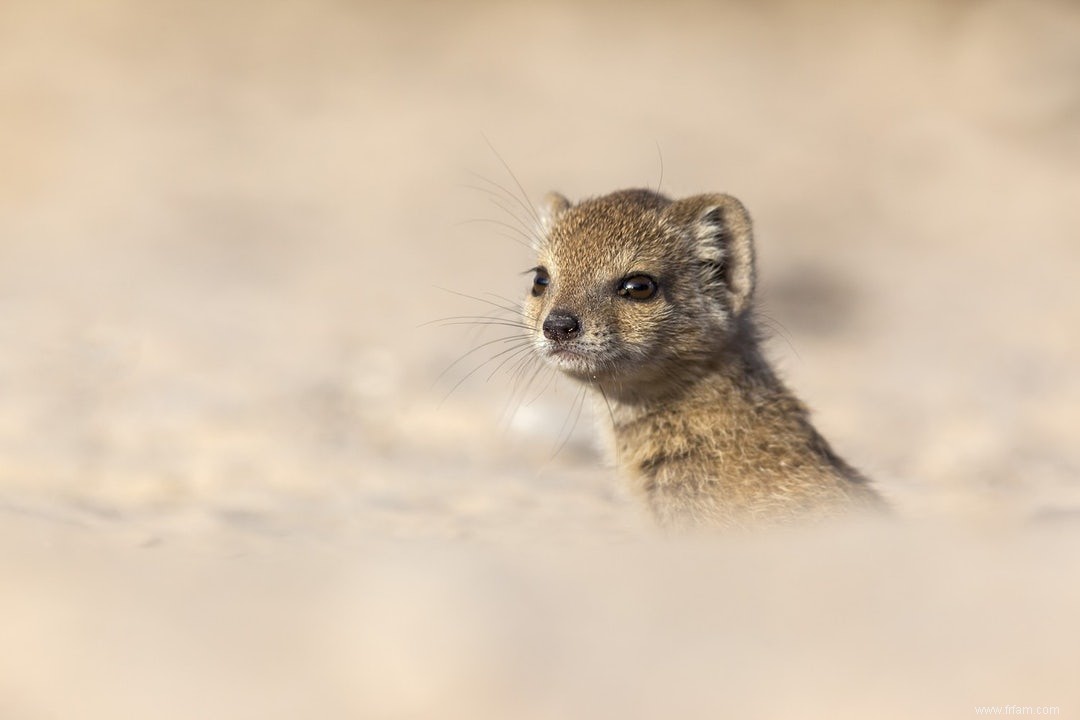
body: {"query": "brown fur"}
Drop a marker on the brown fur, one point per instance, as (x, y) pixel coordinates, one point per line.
(700, 423)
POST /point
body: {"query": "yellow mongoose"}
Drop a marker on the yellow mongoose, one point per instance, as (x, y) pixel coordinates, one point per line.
(648, 301)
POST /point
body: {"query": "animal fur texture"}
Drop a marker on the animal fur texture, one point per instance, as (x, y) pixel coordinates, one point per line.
(649, 302)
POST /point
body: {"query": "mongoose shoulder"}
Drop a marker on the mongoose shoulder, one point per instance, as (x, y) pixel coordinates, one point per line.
(649, 302)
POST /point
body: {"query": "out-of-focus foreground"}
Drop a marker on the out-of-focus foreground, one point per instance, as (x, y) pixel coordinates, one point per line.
(234, 484)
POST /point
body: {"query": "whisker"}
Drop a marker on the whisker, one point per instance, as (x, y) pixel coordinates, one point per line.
(517, 394)
(660, 156)
(514, 303)
(579, 403)
(497, 189)
(611, 414)
(481, 322)
(520, 370)
(525, 227)
(552, 375)
(512, 310)
(519, 353)
(491, 315)
(528, 241)
(491, 359)
(498, 198)
(517, 372)
(779, 329)
(481, 346)
(524, 195)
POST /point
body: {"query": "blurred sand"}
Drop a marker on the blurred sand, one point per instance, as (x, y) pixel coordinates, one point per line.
(233, 483)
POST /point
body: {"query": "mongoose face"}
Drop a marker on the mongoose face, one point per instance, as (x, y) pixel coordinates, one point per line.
(648, 300)
(635, 292)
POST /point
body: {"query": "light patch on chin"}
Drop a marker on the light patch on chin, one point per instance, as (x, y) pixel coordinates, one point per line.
(574, 362)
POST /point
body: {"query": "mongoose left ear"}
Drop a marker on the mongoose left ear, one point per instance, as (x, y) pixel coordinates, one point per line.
(719, 227)
(551, 209)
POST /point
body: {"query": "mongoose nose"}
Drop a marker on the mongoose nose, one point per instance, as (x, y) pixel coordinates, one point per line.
(561, 326)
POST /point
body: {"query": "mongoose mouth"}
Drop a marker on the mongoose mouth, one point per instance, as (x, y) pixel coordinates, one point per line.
(572, 361)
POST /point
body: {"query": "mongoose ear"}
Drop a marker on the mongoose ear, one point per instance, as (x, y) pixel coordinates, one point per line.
(719, 227)
(551, 209)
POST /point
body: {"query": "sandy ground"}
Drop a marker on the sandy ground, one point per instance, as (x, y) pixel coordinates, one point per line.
(238, 481)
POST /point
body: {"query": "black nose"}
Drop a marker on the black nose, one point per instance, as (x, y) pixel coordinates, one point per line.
(561, 326)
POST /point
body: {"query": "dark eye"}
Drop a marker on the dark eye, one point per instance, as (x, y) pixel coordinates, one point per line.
(540, 282)
(637, 287)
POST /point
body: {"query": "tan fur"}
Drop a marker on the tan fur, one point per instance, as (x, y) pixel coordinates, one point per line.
(700, 423)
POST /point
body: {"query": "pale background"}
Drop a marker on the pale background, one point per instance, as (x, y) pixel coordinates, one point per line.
(234, 485)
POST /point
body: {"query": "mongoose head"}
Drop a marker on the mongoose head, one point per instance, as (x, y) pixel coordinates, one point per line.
(638, 293)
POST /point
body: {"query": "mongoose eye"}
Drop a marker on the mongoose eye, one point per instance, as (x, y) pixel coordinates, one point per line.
(637, 287)
(540, 282)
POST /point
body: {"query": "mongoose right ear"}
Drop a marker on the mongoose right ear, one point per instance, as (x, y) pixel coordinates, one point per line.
(720, 228)
(551, 209)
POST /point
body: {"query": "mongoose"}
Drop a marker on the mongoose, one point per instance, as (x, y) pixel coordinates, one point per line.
(649, 302)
